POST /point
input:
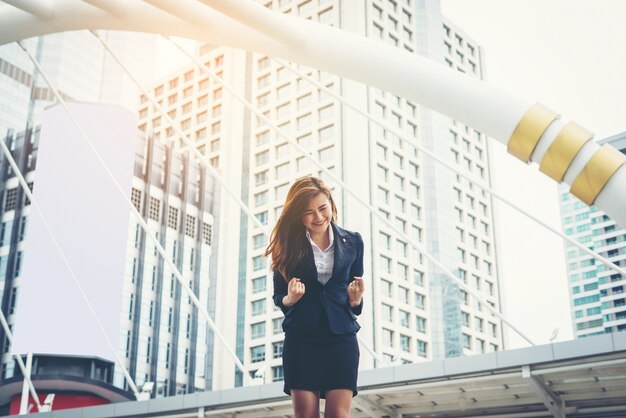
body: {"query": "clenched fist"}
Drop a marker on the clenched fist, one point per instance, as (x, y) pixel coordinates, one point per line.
(355, 291)
(295, 290)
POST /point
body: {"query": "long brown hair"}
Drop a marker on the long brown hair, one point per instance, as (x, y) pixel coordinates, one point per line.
(288, 238)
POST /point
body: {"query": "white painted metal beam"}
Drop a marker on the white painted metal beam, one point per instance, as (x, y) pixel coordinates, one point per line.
(248, 25)
(43, 9)
(115, 7)
(373, 408)
(555, 405)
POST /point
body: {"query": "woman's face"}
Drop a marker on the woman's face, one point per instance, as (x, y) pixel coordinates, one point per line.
(317, 214)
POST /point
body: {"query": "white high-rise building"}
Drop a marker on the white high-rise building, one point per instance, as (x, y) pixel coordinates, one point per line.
(412, 311)
(596, 292)
(79, 67)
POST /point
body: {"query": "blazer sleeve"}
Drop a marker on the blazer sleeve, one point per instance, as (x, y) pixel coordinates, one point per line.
(280, 291)
(357, 270)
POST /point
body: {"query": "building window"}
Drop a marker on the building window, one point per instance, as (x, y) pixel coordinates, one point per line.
(13, 299)
(281, 191)
(258, 241)
(387, 312)
(135, 197)
(326, 113)
(263, 138)
(190, 226)
(403, 271)
(277, 325)
(277, 348)
(282, 170)
(385, 264)
(283, 91)
(404, 319)
(420, 324)
(259, 262)
(405, 343)
(467, 342)
(325, 133)
(421, 348)
(259, 284)
(326, 154)
(172, 218)
(206, 233)
(387, 337)
(277, 373)
(155, 209)
(260, 198)
(385, 240)
(257, 353)
(466, 318)
(10, 200)
(418, 277)
(262, 217)
(479, 324)
(386, 288)
(258, 330)
(282, 150)
(263, 81)
(128, 344)
(420, 300)
(304, 122)
(383, 196)
(262, 157)
(258, 307)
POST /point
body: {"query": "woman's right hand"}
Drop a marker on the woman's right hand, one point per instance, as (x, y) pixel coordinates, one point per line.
(295, 290)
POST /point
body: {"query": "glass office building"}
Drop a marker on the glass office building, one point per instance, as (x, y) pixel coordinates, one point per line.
(597, 300)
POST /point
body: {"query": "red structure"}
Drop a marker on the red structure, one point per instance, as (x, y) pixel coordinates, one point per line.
(61, 401)
(75, 382)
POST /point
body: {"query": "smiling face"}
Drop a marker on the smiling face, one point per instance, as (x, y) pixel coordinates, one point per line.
(317, 214)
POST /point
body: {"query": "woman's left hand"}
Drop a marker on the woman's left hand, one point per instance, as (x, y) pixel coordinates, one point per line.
(355, 291)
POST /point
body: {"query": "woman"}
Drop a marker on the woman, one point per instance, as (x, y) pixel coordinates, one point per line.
(317, 284)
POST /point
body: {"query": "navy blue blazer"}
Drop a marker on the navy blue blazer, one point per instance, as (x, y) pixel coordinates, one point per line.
(333, 296)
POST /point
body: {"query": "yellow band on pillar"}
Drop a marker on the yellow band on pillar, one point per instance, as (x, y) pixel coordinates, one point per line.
(596, 174)
(528, 131)
(563, 149)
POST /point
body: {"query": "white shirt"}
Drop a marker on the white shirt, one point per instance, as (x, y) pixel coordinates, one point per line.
(324, 259)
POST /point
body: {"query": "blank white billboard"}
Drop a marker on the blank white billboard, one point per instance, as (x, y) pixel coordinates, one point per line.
(89, 218)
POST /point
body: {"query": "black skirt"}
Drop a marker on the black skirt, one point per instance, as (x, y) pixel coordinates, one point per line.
(320, 360)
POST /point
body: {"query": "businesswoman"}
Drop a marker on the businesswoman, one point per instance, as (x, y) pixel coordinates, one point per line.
(318, 286)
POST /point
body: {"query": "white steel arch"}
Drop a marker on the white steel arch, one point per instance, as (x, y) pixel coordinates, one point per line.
(533, 133)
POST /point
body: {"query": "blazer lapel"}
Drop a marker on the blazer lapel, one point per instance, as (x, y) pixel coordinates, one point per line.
(309, 270)
(340, 249)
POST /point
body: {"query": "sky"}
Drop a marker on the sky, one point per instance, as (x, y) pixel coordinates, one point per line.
(569, 55)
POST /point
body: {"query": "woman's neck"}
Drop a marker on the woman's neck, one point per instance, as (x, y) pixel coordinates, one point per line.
(321, 239)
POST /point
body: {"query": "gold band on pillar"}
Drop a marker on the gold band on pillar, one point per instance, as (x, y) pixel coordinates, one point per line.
(528, 131)
(596, 174)
(563, 149)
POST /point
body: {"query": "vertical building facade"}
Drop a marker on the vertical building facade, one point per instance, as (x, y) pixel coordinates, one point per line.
(162, 336)
(15, 210)
(412, 311)
(596, 292)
